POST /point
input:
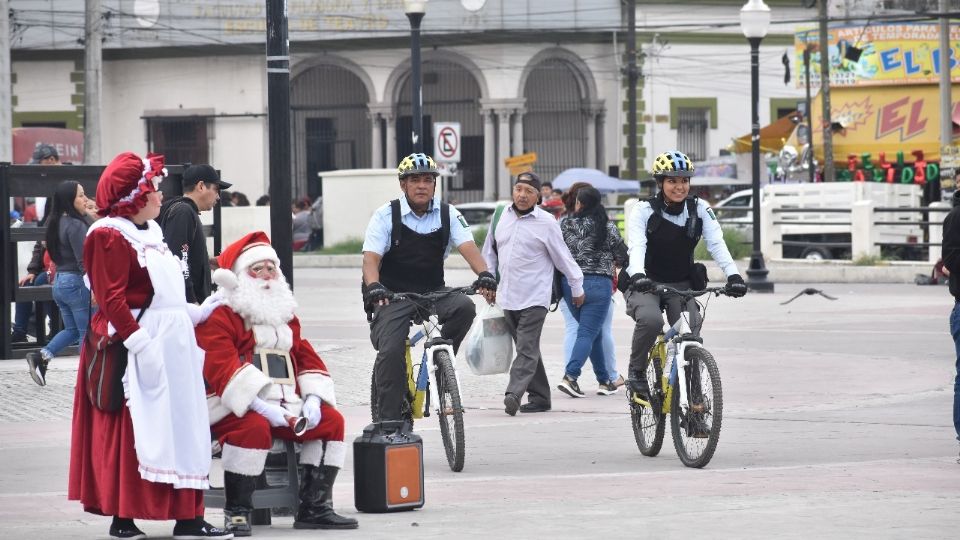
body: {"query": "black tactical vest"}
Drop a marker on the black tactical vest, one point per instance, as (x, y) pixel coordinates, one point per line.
(414, 262)
(669, 256)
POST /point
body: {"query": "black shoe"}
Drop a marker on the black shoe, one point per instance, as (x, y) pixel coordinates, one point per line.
(38, 367)
(198, 529)
(570, 387)
(124, 528)
(694, 426)
(238, 491)
(18, 337)
(511, 404)
(533, 406)
(639, 389)
(316, 501)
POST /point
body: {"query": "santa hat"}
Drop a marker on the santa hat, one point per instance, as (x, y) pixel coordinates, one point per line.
(252, 248)
(125, 183)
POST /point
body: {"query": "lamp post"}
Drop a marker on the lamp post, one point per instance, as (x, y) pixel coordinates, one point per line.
(415, 10)
(754, 22)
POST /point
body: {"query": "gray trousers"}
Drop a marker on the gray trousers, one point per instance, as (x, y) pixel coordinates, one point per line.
(388, 332)
(527, 374)
(645, 309)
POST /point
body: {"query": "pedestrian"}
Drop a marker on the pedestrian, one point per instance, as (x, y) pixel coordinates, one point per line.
(951, 265)
(301, 223)
(525, 249)
(609, 380)
(40, 271)
(239, 199)
(251, 403)
(264, 200)
(664, 231)
(316, 224)
(406, 243)
(183, 231)
(597, 248)
(149, 459)
(66, 229)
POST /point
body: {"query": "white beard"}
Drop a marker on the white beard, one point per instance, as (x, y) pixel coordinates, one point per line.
(261, 302)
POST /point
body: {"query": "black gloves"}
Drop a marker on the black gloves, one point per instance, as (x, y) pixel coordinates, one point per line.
(377, 292)
(641, 283)
(485, 280)
(735, 286)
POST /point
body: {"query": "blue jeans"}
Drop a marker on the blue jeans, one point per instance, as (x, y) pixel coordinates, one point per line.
(590, 317)
(606, 372)
(73, 299)
(955, 332)
(21, 316)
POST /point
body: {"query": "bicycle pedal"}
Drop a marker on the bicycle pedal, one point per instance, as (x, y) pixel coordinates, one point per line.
(640, 402)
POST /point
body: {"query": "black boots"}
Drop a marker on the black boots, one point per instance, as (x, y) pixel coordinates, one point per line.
(238, 489)
(316, 493)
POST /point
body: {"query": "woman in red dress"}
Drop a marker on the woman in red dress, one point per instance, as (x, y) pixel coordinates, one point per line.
(136, 462)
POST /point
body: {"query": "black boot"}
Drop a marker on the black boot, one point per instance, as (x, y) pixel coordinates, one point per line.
(238, 489)
(316, 494)
(124, 529)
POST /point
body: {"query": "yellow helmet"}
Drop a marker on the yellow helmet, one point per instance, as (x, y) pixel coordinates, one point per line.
(417, 163)
(672, 163)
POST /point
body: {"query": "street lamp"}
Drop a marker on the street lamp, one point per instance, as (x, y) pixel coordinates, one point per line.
(415, 10)
(754, 22)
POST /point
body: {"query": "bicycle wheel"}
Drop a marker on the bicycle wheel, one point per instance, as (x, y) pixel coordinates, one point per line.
(697, 431)
(451, 411)
(648, 422)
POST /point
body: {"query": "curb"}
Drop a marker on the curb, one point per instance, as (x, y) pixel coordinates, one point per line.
(781, 271)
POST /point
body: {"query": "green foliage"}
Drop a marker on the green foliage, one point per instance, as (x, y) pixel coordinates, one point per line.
(351, 246)
(869, 260)
(738, 244)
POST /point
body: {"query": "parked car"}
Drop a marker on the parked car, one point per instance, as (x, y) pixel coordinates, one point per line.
(478, 214)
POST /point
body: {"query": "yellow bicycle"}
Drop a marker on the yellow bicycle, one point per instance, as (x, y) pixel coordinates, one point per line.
(687, 388)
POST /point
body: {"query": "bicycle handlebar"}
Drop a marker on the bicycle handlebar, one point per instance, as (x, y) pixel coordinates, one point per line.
(432, 295)
(659, 287)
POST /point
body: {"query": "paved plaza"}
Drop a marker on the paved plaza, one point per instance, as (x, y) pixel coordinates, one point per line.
(837, 424)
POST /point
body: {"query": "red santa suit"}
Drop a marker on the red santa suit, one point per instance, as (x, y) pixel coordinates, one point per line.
(249, 402)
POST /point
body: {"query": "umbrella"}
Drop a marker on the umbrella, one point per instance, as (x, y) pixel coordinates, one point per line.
(603, 182)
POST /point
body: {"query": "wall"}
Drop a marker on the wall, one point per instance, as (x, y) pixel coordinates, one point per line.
(43, 86)
(351, 197)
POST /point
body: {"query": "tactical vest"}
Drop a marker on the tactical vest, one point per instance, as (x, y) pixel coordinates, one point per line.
(414, 262)
(669, 256)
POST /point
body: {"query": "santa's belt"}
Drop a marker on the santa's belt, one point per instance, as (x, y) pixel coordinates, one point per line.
(274, 363)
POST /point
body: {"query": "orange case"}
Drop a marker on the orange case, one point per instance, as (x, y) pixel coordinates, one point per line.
(403, 475)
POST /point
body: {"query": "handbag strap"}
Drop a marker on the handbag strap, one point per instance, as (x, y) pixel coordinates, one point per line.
(90, 311)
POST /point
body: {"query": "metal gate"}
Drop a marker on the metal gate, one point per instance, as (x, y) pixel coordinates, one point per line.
(331, 129)
(450, 94)
(692, 125)
(554, 126)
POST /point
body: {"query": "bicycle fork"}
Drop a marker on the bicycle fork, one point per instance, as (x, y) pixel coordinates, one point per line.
(678, 373)
(431, 353)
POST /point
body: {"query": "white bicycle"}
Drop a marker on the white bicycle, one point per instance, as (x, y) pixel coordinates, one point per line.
(436, 364)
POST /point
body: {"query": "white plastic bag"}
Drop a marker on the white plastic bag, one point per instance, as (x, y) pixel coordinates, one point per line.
(489, 347)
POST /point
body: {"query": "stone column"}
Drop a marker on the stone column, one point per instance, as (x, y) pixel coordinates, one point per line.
(391, 140)
(591, 140)
(518, 131)
(503, 152)
(489, 156)
(601, 138)
(376, 144)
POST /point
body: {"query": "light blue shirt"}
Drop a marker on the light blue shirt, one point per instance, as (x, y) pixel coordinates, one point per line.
(377, 238)
(712, 235)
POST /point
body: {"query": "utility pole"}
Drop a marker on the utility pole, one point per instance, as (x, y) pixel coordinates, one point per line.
(278, 114)
(6, 112)
(828, 172)
(92, 79)
(632, 78)
(946, 102)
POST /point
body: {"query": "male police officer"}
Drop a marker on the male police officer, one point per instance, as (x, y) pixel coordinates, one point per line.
(406, 243)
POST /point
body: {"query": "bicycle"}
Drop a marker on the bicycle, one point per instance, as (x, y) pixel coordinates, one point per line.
(692, 396)
(436, 363)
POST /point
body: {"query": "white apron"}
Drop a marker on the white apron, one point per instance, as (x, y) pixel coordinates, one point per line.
(164, 384)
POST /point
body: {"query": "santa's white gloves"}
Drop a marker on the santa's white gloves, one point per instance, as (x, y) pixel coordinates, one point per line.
(275, 414)
(311, 411)
(138, 341)
(200, 313)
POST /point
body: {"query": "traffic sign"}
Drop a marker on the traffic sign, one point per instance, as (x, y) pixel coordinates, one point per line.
(446, 136)
(520, 164)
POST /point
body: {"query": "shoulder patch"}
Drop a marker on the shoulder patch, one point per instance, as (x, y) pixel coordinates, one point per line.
(462, 221)
(711, 214)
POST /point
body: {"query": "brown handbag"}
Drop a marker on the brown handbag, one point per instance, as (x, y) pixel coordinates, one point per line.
(106, 364)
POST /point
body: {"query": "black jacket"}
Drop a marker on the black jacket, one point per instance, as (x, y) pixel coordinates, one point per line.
(951, 246)
(180, 220)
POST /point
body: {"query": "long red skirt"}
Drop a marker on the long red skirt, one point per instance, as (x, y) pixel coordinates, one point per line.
(104, 474)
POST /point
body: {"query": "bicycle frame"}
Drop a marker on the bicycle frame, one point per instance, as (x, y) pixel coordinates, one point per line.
(682, 336)
(434, 343)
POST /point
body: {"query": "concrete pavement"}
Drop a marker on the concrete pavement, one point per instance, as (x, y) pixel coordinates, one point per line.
(837, 424)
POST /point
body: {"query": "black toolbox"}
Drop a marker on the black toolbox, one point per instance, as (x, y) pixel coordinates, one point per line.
(387, 469)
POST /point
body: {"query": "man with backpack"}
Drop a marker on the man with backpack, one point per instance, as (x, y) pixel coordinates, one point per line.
(183, 232)
(404, 248)
(524, 246)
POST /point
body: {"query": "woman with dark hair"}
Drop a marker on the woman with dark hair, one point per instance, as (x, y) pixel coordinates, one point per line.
(597, 247)
(66, 228)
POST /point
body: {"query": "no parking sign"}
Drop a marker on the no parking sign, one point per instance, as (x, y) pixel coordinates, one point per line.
(446, 136)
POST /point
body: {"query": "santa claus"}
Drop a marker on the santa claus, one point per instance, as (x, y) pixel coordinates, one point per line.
(261, 373)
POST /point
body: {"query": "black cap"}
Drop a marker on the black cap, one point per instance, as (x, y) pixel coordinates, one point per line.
(203, 173)
(44, 151)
